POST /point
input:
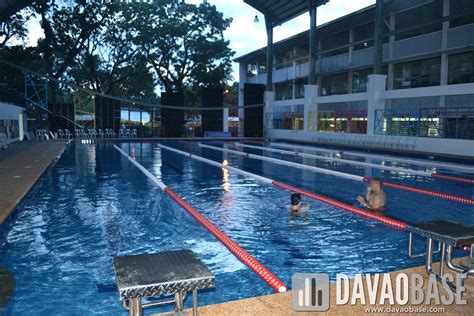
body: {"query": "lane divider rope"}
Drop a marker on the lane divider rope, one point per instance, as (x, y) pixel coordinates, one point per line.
(441, 195)
(378, 217)
(233, 247)
(417, 162)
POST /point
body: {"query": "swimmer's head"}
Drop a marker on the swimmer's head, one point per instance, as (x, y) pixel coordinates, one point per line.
(376, 183)
(295, 199)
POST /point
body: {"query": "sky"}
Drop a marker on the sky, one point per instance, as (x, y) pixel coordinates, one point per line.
(245, 35)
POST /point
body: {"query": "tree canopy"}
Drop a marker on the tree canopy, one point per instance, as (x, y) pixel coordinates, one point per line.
(125, 48)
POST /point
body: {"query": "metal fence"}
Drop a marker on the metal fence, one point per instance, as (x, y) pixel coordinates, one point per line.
(457, 123)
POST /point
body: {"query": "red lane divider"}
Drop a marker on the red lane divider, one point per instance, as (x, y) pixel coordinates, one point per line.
(240, 253)
(437, 194)
(347, 207)
(453, 178)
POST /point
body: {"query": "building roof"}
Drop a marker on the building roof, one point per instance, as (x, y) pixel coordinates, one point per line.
(10, 7)
(281, 11)
(329, 27)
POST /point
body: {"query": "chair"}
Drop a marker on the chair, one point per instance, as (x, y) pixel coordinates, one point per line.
(61, 134)
(109, 133)
(134, 133)
(92, 133)
(79, 133)
(67, 133)
(121, 133)
(127, 133)
(3, 140)
(101, 133)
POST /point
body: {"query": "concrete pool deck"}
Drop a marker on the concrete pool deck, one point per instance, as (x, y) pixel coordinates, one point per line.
(280, 304)
(20, 166)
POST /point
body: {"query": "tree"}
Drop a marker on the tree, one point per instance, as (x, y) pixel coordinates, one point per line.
(184, 43)
(14, 27)
(231, 98)
(67, 28)
(112, 63)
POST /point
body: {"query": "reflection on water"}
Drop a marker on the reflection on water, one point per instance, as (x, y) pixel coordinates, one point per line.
(94, 205)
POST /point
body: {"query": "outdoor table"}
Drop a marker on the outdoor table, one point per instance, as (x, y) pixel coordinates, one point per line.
(448, 234)
(156, 274)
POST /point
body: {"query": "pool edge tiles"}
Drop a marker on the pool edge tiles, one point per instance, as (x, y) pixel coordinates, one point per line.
(22, 165)
(281, 303)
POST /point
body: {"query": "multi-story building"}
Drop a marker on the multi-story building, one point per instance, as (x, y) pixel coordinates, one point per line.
(425, 96)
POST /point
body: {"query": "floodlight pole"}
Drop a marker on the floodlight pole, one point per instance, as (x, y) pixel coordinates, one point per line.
(269, 26)
(312, 43)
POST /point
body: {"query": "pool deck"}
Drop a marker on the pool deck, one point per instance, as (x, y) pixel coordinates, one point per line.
(280, 304)
(20, 166)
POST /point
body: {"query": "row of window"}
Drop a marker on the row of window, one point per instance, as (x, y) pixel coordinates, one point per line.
(413, 22)
(413, 74)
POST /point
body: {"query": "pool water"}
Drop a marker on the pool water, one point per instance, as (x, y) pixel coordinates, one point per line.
(92, 204)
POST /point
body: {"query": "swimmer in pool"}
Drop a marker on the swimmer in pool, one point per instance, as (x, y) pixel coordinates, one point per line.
(376, 199)
(296, 205)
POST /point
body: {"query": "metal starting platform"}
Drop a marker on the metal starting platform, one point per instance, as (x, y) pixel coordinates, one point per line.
(157, 274)
(448, 234)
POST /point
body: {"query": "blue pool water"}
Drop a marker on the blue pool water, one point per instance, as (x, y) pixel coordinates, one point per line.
(92, 204)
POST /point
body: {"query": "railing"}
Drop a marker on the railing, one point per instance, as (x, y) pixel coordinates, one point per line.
(457, 123)
(285, 120)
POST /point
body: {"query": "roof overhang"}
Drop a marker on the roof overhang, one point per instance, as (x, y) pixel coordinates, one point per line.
(10, 7)
(281, 11)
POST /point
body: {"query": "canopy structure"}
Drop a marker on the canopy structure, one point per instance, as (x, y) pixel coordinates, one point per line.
(281, 11)
(277, 12)
(10, 7)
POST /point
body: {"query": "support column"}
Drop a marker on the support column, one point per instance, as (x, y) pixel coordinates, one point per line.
(378, 39)
(269, 96)
(444, 46)
(390, 52)
(269, 26)
(444, 63)
(22, 125)
(375, 91)
(310, 105)
(225, 120)
(241, 111)
(313, 47)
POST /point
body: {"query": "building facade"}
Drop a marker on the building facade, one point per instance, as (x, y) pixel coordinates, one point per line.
(424, 97)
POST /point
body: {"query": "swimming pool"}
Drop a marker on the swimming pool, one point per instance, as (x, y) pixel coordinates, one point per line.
(92, 204)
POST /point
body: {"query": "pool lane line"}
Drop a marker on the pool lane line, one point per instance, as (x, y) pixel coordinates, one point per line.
(441, 195)
(378, 217)
(341, 160)
(417, 162)
(233, 247)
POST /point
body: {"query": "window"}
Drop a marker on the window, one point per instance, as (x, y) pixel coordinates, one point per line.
(299, 87)
(333, 41)
(360, 79)
(285, 59)
(284, 91)
(364, 33)
(420, 73)
(262, 67)
(465, 8)
(251, 70)
(420, 16)
(334, 84)
(461, 68)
